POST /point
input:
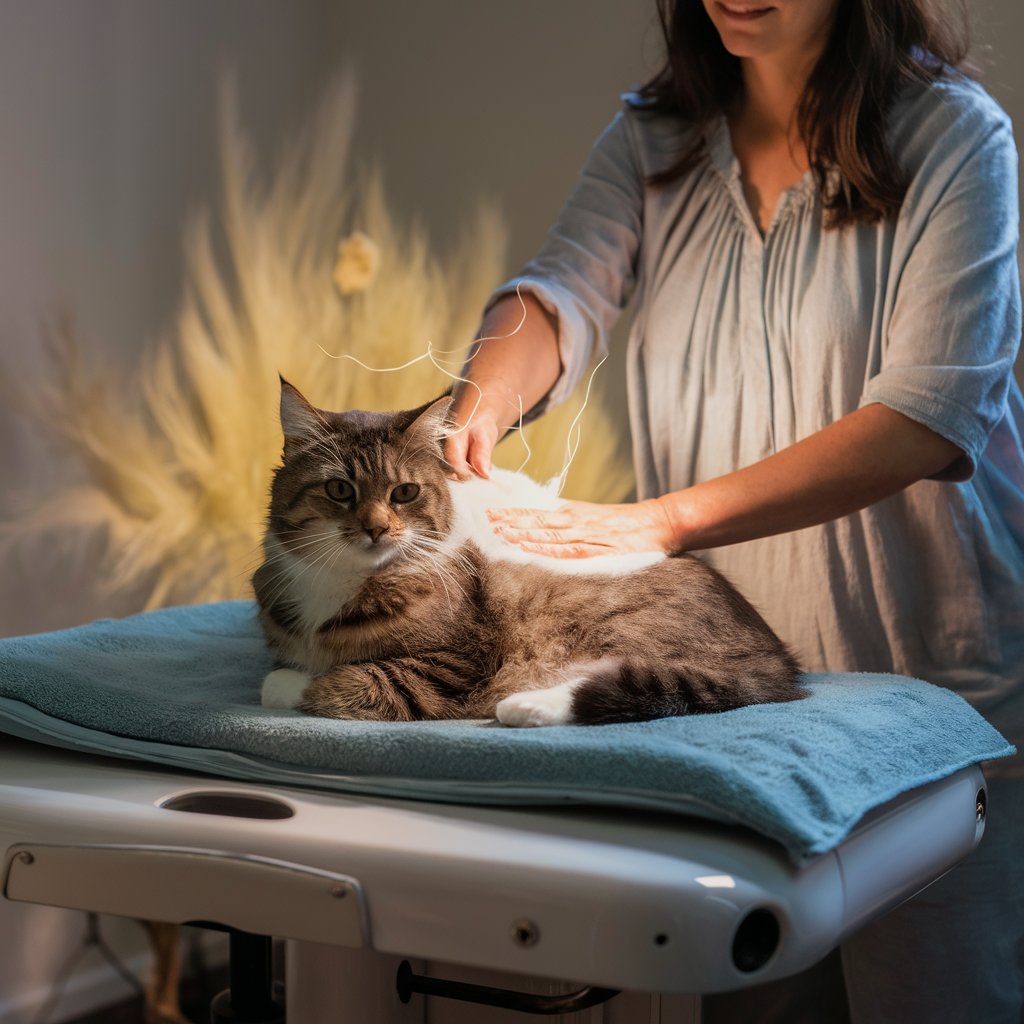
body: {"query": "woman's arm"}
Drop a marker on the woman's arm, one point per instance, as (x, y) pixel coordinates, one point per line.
(862, 458)
(519, 361)
(866, 456)
(586, 271)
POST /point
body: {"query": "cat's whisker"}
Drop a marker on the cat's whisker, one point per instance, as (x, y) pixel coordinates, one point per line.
(431, 547)
(327, 557)
(435, 564)
(467, 568)
(447, 595)
(294, 569)
(403, 457)
(340, 550)
(295, 547)
(282, 580)
(445, 577)
(437, 558)
(289, 561)
(315, 555)
(434, 537)
(438, 539)
(329, 532)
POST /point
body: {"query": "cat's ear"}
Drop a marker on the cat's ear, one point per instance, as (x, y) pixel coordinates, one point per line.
(432, 421)
(299, 419)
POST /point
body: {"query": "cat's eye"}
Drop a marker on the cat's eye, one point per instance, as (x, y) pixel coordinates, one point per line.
(339, 490)
(404, 493)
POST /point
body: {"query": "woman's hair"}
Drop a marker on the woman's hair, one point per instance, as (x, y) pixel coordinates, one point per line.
(875, 47)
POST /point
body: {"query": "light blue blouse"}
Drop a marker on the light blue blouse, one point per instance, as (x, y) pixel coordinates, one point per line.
(743, 344)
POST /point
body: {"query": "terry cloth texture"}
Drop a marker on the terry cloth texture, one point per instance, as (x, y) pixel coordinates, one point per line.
(181, 686)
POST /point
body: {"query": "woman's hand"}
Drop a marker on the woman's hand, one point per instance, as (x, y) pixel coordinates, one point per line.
(582, 529)
(476, 430)
(511, 368)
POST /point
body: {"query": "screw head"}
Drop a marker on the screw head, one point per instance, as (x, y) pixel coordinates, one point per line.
(339, 892)
(979, 811)
(26, 858)
(524, 932)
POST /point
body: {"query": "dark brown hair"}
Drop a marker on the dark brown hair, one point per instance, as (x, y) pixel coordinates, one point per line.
(875, 47)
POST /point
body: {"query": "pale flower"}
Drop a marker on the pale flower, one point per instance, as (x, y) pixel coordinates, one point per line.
(358, 261)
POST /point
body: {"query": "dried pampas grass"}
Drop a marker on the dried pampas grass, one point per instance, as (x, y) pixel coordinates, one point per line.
(174, 468)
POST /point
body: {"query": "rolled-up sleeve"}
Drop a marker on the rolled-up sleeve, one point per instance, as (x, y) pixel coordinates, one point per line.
(585, 271)
(955, 324)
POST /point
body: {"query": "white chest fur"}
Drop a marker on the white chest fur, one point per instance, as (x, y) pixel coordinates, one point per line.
(318, 588)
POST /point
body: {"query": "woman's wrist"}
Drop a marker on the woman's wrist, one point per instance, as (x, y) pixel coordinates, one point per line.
(486, 396)
(673, 511)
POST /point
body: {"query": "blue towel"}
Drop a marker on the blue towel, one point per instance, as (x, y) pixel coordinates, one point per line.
(181, 687)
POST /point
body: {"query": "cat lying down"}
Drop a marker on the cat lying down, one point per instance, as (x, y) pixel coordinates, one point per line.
(385, 594)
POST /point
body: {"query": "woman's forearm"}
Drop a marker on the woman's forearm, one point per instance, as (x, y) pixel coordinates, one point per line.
(862, 458)
(512, 364)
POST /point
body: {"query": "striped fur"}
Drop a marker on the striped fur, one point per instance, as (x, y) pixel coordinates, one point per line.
(373, 589)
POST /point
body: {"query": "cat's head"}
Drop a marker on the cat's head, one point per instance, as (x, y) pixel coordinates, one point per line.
(360, 488)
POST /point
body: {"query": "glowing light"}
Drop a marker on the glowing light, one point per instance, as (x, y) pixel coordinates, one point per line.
(716, 881)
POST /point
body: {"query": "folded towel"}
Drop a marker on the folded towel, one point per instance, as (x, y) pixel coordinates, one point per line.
(181, 686)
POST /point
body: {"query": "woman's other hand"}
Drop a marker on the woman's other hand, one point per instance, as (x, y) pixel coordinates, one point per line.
(476, 430)
(510, 369)
(582, 529)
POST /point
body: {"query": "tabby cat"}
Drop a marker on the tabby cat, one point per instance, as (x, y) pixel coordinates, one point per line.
(385, 594)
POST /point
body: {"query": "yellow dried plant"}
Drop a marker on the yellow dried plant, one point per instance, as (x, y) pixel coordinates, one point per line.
(175, 468)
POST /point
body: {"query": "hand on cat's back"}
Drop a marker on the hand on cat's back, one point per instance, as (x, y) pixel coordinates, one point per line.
(583, 529)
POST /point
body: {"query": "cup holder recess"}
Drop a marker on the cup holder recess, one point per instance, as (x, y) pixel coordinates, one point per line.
(229, 805)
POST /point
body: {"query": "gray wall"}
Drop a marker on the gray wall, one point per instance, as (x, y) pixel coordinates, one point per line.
(108, 136)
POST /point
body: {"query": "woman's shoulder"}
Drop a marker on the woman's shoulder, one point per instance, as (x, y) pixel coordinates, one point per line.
(647, 118)
(948, 117)
(655, 137)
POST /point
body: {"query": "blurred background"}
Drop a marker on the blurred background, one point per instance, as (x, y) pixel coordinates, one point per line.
(109, 116)
(109, 132)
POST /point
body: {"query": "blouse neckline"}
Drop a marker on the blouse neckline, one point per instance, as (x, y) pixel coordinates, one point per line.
(727, 164)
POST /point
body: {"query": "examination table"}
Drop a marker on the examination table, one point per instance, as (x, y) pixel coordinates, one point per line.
(388, 893)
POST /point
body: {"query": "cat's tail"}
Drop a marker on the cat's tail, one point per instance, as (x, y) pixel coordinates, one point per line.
(636, 690)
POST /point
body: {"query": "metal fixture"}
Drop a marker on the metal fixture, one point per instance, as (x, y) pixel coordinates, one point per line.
(524, 932)
(408, 984)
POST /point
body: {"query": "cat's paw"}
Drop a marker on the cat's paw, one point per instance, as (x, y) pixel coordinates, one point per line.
(283, 688)
(552, 706)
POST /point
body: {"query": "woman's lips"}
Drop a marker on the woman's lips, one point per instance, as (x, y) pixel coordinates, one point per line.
(740, 13)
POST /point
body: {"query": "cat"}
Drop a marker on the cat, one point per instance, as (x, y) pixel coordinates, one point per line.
(385, 594)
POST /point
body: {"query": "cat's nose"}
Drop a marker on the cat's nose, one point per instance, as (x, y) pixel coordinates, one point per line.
(376, 532)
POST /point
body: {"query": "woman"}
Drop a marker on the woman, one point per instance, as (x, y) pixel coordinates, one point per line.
(816, 212)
